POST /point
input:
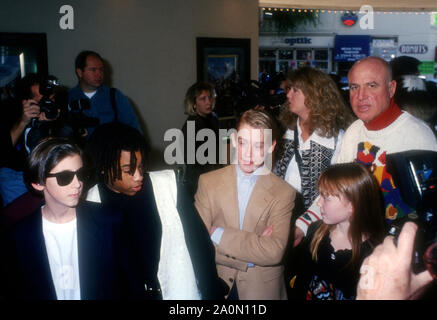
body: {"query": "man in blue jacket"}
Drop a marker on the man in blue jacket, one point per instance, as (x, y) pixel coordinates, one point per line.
(90, 72)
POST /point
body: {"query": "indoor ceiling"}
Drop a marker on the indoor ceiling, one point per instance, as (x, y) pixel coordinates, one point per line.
(397, 5)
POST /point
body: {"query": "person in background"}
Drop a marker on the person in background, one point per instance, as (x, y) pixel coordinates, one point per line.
(103, 103)
(20, 113)
(413, 96)
(352, 225)
(199, 105)
(247, 211)
(173, 253)
(381, 129)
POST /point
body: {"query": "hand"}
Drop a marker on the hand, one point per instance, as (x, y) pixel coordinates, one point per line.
(298, 236)
(268, 231)
(30, 110)
(387, 274)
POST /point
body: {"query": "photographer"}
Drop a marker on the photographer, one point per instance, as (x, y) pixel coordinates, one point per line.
(19, 112)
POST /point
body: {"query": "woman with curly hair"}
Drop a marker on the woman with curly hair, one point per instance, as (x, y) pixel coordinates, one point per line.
(315, 120)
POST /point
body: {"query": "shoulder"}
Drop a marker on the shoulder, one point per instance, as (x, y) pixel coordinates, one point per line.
(312, 229)
(279, 183)
(217, 174)
(414, 132)
(27, 226)
(75, 88)
(118, 93)
(191, 118)
(356, 125)
(415, 124)
(280, 188)
(75, 91)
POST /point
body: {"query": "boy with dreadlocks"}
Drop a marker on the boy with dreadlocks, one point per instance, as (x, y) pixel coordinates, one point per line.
(174, 255)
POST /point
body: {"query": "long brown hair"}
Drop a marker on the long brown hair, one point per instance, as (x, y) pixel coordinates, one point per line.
(358, 185)
(328, 111)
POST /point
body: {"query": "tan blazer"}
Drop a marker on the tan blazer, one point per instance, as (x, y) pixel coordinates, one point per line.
(270, 203)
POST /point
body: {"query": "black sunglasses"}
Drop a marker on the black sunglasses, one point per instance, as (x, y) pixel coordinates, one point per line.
(64, 178)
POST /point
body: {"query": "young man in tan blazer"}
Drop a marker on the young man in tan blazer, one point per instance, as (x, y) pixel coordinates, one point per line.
(247, 211)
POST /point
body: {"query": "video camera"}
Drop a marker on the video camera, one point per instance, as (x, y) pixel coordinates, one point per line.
(72, 115)
(65, 119)
(414, 172)
(76, 119)
(47, 104)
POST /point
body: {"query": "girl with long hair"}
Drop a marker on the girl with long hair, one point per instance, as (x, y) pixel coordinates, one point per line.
(352, 224)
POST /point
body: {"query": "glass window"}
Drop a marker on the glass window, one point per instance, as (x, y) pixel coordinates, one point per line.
(284, 66)
(321, 65)
(321, 54)
(285, 54)
(267, 53)
(303, 54)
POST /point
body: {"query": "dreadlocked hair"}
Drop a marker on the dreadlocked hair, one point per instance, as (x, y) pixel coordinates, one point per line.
(103, 149)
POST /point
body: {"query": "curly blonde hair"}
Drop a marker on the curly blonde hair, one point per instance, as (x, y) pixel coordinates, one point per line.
(328, 111)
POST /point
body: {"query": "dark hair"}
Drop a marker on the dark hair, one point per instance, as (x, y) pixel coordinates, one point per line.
(80, 62)
(404, 65)
(45, 156)
(412, 96)
(22, 87)
(103, 150)
(358, 185)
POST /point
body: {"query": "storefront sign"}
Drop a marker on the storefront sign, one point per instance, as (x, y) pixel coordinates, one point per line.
(296, 42)
(351, 48)
(413, 49)
(293, 41)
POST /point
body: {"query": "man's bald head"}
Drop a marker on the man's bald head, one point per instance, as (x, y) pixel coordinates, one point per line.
(377, 61)
(371, 87)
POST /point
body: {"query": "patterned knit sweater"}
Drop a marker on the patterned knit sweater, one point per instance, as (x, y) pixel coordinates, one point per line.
(370, 147)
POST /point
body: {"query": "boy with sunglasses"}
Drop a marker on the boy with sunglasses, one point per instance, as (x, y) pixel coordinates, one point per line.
(67, 249)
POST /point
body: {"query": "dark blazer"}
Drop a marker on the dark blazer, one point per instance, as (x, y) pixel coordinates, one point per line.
(103, 262)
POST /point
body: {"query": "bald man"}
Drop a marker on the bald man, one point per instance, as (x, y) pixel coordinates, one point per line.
(382, 128)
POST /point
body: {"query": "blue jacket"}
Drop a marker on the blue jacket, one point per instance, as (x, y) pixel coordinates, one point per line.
(101, 107)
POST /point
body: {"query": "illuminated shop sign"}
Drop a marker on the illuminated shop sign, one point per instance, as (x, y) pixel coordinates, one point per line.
(293, 41)
(349, 18)
(413, 49)
(351, 48)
